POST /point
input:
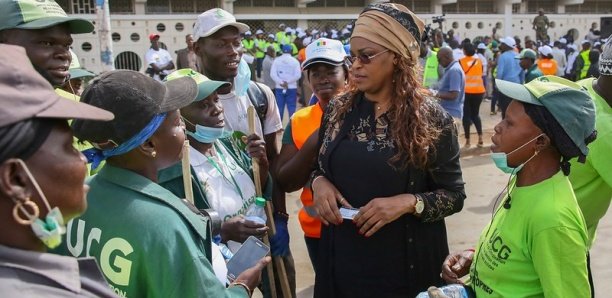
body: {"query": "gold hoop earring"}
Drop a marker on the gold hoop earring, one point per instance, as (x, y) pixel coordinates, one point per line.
(21, 206)
(154, 153)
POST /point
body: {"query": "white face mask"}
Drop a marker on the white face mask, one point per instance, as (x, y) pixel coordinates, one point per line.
(50, 230)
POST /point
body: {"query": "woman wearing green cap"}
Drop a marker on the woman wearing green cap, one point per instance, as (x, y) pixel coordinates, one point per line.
(148, 242)
(41, 185)
(221, 165)
(536, 242)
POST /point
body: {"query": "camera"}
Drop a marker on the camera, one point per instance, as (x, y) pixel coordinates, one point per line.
(439, 19)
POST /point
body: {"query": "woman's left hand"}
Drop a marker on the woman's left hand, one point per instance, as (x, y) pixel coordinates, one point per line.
(381, 211)
(256, 148)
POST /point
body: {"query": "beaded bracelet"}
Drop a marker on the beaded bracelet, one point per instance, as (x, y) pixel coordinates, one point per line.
(241, 284)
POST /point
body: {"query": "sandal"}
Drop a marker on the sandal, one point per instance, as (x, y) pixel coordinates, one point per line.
(480, 144)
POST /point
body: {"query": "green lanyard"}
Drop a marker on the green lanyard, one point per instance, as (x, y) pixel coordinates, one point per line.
(216, 166)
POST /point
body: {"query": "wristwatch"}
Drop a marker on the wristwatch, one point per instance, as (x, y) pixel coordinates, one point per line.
(419, 206)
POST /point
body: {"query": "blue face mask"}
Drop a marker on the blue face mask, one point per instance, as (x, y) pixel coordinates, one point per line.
(243, 79)
(501, 159)
(207, 135)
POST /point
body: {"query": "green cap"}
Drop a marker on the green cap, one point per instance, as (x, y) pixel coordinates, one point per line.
(527, 53)
(261, 202)
(206, 86)
(39, 14)
(568, 102)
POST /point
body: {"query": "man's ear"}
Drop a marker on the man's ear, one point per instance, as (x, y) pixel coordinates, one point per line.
(14, 181)
(148, 148)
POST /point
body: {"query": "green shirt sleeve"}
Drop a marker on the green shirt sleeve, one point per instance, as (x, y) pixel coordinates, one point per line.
(287, 136)
(559, 258)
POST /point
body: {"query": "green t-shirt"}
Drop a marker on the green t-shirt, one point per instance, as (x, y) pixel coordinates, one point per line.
(287, 135)
(147, 242)
(592, 181)
(537, 248)
(532, 73)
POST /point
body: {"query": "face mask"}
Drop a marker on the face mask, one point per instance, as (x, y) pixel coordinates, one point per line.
(50, 230)
(207, 135)
(501, 159)
(243, 79)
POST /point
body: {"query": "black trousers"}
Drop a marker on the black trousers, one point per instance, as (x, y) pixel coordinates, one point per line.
(471, 113)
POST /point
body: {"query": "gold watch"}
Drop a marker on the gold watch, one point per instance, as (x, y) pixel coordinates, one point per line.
(419, 206)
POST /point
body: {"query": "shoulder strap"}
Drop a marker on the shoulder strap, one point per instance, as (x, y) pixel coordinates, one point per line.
(259, 100)
(469, 68)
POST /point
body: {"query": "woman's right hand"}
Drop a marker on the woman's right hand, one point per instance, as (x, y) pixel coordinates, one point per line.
(326, 198)
(456, 266)
(252, 276)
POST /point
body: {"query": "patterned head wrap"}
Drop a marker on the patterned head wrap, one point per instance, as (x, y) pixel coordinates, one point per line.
(605, 60)
(392, 26)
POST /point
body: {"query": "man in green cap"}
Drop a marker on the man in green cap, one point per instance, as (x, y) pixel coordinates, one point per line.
(44, 30)
(530, 71)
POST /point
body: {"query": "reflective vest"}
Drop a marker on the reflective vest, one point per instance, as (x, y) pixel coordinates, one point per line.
(472, 67)
(430, 74)
(262, 47)
(547, 66)
(587, 63)
(303, 123)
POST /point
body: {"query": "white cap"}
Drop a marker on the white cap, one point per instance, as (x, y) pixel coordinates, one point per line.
(563, 41)
(248, 33)
(214, 19)
(281, 25)
(314, 31)
(345, 31)
(509, 41)
(596, 44)
(299, 29)
(545, 50)
(288, 30)
(482, 46)
(324, 50)
(271, 36)
(259, 31)
(334, 35)
(586, 41)
(301, 34)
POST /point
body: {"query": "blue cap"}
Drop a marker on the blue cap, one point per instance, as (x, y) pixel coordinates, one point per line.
(287, 48)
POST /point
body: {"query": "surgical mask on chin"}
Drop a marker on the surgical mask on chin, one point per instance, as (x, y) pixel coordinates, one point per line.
(50, 230)
(207, 135)
(501, 159)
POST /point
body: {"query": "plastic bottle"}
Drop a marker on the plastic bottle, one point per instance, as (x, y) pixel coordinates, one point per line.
(257, 212)
(452, 291)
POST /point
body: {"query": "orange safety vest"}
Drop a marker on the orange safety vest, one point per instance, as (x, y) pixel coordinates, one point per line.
(303, 123)
(472, 67)
(547, 66)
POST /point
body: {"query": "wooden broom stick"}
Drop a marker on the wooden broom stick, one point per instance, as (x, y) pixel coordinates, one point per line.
(187, 173)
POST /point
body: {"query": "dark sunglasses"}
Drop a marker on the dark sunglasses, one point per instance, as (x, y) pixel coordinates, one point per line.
(365, 59)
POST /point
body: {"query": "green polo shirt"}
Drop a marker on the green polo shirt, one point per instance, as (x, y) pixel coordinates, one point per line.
(592, 180)
(532, 73)
(147, 241)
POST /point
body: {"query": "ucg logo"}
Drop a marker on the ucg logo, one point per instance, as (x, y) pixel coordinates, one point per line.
(498, 246)
(119, 276)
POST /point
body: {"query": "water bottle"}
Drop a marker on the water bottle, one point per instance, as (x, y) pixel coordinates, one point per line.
(452, 291)
(257, 212)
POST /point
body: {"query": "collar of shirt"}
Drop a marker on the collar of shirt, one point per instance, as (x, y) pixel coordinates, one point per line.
(450, 65)
(60, 269)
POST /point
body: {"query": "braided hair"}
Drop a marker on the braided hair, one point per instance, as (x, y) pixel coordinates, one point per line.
(543, 119)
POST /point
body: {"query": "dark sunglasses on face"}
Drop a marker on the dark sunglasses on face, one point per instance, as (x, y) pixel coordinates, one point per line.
(365, 59)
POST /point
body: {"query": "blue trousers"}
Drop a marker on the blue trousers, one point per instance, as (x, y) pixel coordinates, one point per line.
(288, 98)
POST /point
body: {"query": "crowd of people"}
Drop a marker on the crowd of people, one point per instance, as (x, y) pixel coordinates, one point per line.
(375, 152)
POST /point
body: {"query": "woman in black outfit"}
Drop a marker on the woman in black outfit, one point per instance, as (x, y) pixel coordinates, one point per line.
(390, 150)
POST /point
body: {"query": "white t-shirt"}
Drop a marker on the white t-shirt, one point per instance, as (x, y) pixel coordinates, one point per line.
(235, 112)
(160, 58)
(285, 69)
(484, 63)
(228, 188)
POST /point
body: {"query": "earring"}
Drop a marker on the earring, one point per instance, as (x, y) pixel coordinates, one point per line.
(21, 206)
(154, 153)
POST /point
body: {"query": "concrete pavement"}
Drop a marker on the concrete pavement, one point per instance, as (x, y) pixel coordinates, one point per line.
(483, 184)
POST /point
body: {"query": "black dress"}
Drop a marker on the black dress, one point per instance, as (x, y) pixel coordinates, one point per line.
(405, 256)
